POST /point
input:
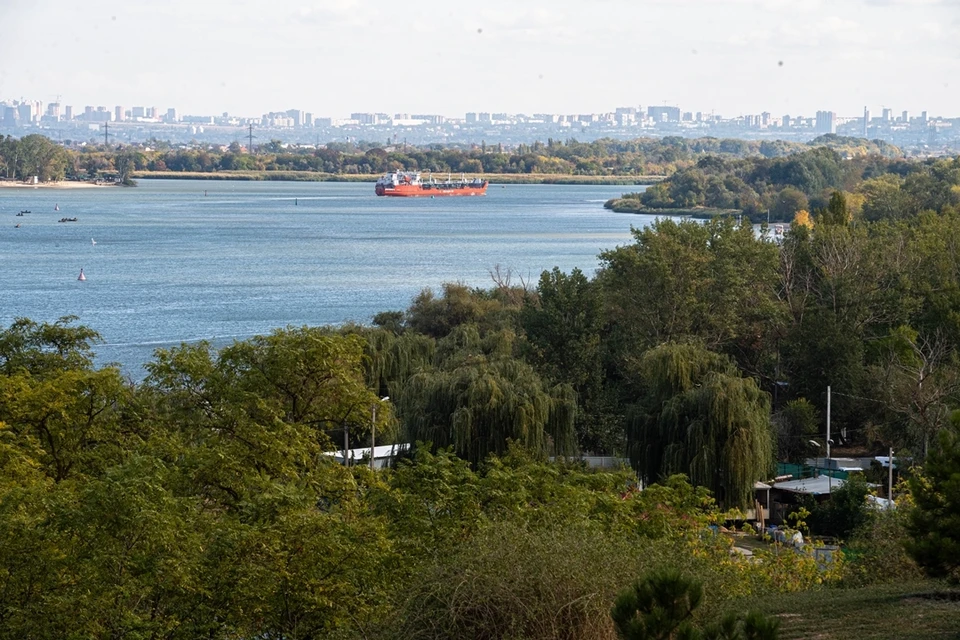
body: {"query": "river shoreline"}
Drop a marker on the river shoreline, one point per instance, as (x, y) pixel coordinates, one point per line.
(64, 184)
(313, 176)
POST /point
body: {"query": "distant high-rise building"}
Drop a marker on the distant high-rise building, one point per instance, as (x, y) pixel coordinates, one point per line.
(483, 117)
(664, 114)
(866, 121)
(905, 117)
(172, 115)
(296, 115)
(53, 110)
(887, 115)
(471, 117)
(826, 122)
(366, 118)
(923, 117)
(307, 119)
(138, 112)
(68, 112)
(152, 112)
(118, 115)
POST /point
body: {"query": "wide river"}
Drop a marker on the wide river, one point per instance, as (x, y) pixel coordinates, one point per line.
(176, 261)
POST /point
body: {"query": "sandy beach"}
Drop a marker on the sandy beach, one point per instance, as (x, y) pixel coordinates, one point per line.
(16, 184)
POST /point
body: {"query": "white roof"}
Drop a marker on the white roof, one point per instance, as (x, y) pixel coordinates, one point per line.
(821, 485)
(382, 451)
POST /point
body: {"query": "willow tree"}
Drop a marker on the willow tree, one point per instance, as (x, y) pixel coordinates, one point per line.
(701, 418)
(478, 398)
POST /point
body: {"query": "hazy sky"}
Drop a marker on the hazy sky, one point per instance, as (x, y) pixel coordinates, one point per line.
(332, 57)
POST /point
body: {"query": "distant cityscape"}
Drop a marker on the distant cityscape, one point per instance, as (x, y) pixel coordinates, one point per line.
(917, 134)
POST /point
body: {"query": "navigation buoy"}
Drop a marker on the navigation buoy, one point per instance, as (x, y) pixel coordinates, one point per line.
(82, 277)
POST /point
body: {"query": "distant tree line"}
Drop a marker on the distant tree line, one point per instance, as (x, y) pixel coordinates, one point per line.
(640, 157)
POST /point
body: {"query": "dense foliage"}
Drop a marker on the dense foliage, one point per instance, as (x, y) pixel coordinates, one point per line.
(201, 503)
(934, 523)
(777, 189)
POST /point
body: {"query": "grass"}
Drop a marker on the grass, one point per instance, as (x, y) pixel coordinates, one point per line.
(315, 176)
(918, 610)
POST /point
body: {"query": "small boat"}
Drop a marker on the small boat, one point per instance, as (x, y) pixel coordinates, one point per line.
(17, 226)
(25, 211)
(67, 220)
(82, 277)
(92, 241)
(20, 215)
(56, 207)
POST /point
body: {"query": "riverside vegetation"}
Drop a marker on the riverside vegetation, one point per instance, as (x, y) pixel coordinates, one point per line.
(777, 189)
(201, 502)
(644, 160)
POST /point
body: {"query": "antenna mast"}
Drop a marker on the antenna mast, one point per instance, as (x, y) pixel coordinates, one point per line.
(250, 145)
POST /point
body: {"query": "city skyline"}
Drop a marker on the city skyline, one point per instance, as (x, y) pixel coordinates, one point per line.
(335, 57)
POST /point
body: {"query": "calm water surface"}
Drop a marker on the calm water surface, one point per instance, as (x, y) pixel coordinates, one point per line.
(178, 261)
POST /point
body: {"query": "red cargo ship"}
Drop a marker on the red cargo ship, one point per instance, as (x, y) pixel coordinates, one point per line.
(409, 184)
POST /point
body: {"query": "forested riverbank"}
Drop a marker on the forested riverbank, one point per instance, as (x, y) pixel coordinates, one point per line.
(640, 161)
(777, 189)
(313, 176)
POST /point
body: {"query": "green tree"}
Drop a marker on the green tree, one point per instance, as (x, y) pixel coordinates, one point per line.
(479, 398)
(562, 325)
(661, 607)
(699, 417)
(797, 423)
(935, 520)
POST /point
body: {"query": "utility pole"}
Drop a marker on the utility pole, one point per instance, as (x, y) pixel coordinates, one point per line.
(829, 477)
(250, 145)
(106, 132)
(890, 478)
(373, 430)
(346, 445)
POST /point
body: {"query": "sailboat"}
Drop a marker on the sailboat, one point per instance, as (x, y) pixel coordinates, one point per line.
(82, 277)
(92, 241)
(56, 207)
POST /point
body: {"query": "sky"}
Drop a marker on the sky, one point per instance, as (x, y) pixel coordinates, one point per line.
(335, 57)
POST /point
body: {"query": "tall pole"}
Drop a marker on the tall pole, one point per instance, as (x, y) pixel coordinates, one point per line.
(890, 477)
(346, 445)
(828, 422)
(827, 461)
(106, 130)
(250, 145)
(373, 435)
(373, 429)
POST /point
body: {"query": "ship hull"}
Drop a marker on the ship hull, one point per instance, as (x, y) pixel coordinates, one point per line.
(427, 191)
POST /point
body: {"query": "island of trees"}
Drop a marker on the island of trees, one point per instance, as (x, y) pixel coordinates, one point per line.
(204, 501)
(777, 189)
